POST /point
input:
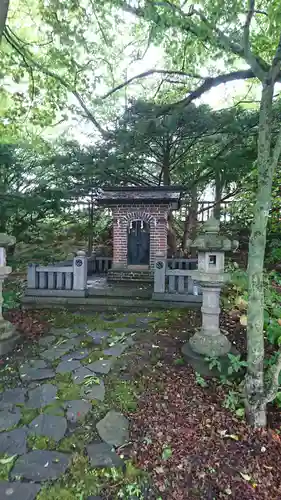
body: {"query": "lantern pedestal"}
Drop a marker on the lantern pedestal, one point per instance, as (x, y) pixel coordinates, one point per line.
(201, 365)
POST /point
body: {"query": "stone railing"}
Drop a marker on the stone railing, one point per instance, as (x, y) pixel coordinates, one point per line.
(95, 264)
(58, 280)
(99, 265)
(173, 281)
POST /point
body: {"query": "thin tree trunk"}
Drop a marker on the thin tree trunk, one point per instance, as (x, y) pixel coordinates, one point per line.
(218, 196)
(91, 227)
(254, 385)
(4, 7)
(190, 225)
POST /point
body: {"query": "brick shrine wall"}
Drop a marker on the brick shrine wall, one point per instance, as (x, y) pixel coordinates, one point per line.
(155, 215)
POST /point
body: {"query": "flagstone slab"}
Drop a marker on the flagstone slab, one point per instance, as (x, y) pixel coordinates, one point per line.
(77, 410)
(125, 331)
(13, 396)
(145, 320)
(114, 428)
(17, 490)
(63, 332)
(101, 366)
(58, 351)
(46, 340)
(79, 354)
(70, 334)
(115, 350)
(51, 426)
(13, 442)
(37, 364)
(9, 417)
(41, 465)
(68, 366)
(102, 455)
(98, 336)
(80, 374)
(95, 391)
(42, 396)
(31, 374)
(113, 319)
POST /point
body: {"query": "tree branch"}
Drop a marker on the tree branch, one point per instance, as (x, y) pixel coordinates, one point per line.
(208, 84)
(9, 36)
(148, 73)
(255, 64)
(246, 34)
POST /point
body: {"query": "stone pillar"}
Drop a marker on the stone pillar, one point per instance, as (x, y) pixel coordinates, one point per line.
(80, 271)
(8, 335)
(159, 275)
(209, 341)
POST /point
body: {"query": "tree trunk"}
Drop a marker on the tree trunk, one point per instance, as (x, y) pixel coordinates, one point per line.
(254, 384)
(4, 7)
(190, 225)
(91, 227)
(171, 237)
(218, 196)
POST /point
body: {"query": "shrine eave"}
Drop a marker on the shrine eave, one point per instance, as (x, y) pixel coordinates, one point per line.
(163, 195)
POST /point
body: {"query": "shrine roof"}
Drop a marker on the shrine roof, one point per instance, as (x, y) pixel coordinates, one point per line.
(140, 194)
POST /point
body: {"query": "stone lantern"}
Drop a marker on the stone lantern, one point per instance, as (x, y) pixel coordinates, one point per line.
(8, 335)
(209, 341)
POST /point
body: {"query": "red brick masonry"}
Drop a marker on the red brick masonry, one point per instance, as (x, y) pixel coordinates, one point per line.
(154, 214)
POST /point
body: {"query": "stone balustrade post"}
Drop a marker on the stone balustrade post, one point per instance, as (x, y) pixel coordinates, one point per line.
(159, 276)
(80, 271)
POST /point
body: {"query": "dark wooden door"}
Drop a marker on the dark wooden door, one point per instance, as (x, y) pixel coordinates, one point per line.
(138, 243)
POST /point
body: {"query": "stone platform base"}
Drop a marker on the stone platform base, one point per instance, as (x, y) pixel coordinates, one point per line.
(112, 304)
(145, 276)
(200, 365)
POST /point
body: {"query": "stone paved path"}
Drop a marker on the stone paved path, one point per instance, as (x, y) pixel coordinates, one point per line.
(52, 393)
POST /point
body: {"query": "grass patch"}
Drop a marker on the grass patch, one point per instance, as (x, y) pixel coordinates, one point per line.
(75, 442)
(54, 409)
(41, 443)
(63, 319)
(80, 482)
(27, 415)
(94, 355)
(56, 492)
(122, 394)
(67, 390)
(6, 465)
